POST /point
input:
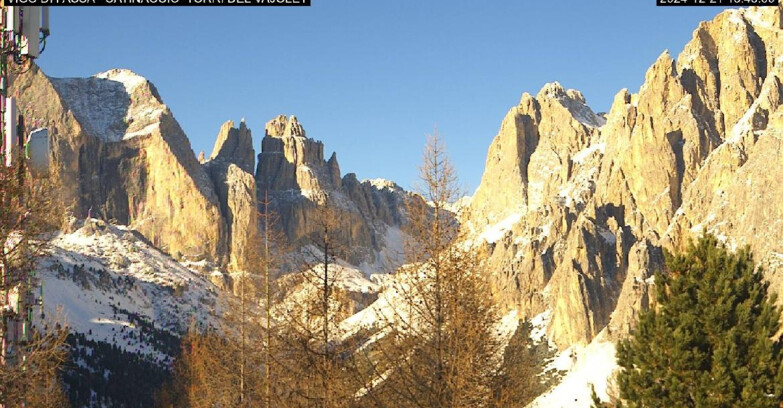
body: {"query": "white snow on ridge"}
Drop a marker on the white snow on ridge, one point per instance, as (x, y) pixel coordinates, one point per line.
(760, 17)
(574, 102)
(108, 285)
(126, 77)
(389, 307)
(578, 190)
(353, 280)
(145, 131)
(103, 106)
(381, 184)
(380, 312)
(584, 115)
(307, 288)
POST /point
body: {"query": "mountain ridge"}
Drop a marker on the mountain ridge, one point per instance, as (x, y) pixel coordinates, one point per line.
(575, 209)
(694, 151)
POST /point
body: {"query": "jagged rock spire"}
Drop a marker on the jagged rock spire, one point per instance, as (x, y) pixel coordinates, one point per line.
(235, 145)
(291, 161)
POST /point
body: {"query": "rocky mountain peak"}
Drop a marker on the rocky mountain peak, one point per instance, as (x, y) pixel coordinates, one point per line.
(578, 214)
(662, 70)
(114, 105)
(235, 145)
(128, 78)
(556, 91)
(533, 151)
(282, 126)
(293, 128)
(770, 17)
(276, 126)
(551, 90)
(121, 155)
(294, 174)
(571, 99)
(527, 101)
(291, 161)
(622, 99)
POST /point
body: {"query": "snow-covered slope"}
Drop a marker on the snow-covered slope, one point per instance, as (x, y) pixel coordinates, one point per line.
(110, 285)
(108, 106)
(354, 292)
(584, 368)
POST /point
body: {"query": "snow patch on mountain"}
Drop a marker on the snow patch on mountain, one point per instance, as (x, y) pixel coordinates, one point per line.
(759, 17)
(382, 311)
(129, 79)
(583, 154)
(508, 325)
(585, 367)
(539, 324)
(495, 232)
(574, 101)
(114, 105)
(105, 282)
(381, 184)
(390, 256)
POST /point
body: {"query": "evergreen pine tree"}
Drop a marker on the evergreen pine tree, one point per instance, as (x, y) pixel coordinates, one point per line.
(708, 342)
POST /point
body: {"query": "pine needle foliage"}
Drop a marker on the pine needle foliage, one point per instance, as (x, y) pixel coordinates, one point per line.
(709, 342)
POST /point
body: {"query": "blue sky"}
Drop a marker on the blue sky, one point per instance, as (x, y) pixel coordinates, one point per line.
(372, 78)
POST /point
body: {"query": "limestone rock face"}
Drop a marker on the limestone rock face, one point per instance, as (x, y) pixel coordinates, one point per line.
(230, 168)
(292, 172)
(120, 154)
(291, 161)
(575, 213)
(539, 178)
(235, 145)
(531, 152)
(740, 206)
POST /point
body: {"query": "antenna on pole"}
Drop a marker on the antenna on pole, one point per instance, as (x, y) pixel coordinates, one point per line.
(23, 33)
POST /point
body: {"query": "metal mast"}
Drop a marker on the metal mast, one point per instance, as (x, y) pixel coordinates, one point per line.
(23, 32)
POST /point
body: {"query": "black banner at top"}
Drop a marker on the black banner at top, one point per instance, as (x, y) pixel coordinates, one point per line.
(281, 3)
(724, 3)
